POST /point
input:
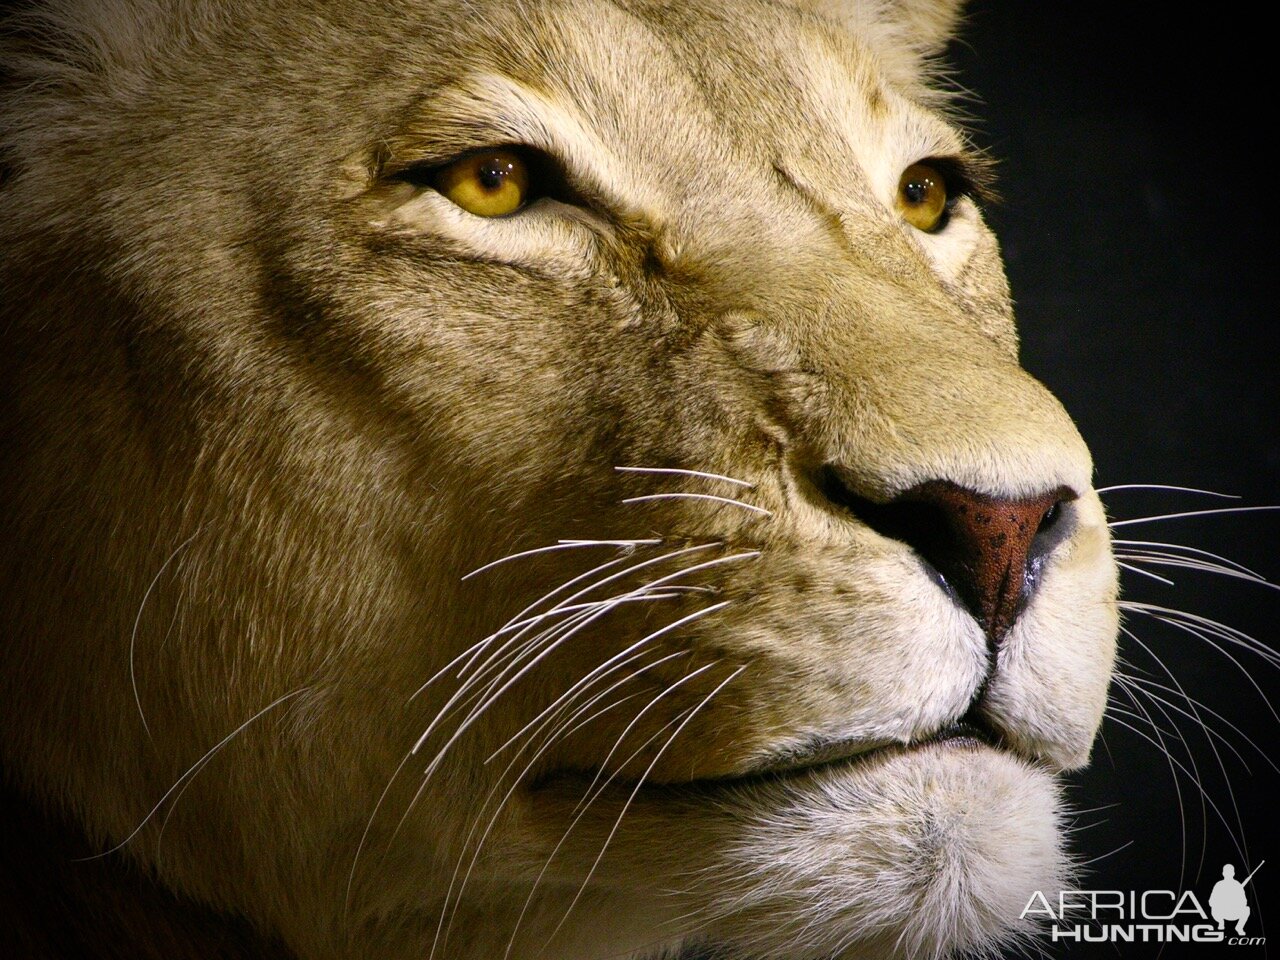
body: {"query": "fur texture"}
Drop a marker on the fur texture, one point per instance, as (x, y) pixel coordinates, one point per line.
(268, 401)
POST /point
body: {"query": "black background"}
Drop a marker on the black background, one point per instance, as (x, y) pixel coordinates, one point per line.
(1137, 222)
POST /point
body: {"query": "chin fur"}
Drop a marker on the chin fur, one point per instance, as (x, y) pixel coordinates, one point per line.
(928, 853)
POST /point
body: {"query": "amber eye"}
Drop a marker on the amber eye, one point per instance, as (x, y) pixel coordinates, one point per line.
(488, 183)
(922, 197)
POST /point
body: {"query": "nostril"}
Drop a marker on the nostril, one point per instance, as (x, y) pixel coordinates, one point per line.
(989, 551)
(1057, 524)
(1050, 517)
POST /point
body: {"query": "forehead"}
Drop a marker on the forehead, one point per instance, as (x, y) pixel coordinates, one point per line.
(679, 89)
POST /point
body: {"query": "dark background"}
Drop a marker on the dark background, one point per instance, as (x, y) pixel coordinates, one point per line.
(1137, 222)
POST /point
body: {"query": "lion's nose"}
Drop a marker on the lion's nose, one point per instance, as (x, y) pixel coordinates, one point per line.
(988, 550)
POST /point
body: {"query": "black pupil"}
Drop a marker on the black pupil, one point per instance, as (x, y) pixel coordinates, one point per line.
(916, 191)
(492, 173)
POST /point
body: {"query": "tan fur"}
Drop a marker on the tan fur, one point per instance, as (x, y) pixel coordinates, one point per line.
(265, 405)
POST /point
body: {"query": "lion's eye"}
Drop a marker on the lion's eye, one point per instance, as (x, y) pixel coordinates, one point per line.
(922, 197)
(488, 183)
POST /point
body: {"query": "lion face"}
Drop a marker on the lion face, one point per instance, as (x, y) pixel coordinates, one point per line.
(680, 559)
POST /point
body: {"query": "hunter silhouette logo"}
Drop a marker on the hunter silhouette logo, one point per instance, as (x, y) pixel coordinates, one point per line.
(1228, 900)
(1148, 916)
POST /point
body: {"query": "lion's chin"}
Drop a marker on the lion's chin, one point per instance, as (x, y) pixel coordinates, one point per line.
(908, 852)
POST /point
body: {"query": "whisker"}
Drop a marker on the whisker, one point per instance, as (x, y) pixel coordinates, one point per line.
(1109, 853)
(478, 648)
(1164, 486)
(688, 473)
(1195, 777)
(550, 637)
(574, 608)
(662, 581)
(1195, 704)
(546, 640)
(684, 551)
(1209, 800)
(699, 496)
(133, 636)
(566, 729)
(1170, 560)
(561, 545)
(1190, 513)
(1145, 573)
(630, 799)
(751, 554)
(1183, 618)
(191, 771)
(589, 798)
(478, 711)
(1201, 635)
(590, 676)
(1158, 544)
(364, 836)
(1138, 685)
(475, 651)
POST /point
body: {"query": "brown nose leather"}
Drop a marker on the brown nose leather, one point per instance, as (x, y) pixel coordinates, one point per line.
(981, 545)
(984, 547)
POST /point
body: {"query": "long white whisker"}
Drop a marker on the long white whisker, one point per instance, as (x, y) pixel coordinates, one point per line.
(1185, 563)
(699, 496)
(684, 551)
(587, 613)
(467, 693)
(1202, 635)
(581, 809)
(472, 652)
(630, 799)
(442, 929)
(1209, 800)
(477, 712)
(364, 836)
(490, 698)
(664, 582)
(479, 648)
(1190, 513)
(1164, 486)
(133, 636)
(1140, 685)
(471, 655)
(687, 473)
(603, 765)
(1158, 545)
(1131, 693)
(576, 608)
(191, 771)
(594, 673)
(566, 729)
(1103, 856)
(1182, 618)
(1145, 573)
(1195, 704)
(495, 671)
(561, 545)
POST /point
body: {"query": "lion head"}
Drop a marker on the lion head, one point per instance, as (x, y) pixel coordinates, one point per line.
(547, 480)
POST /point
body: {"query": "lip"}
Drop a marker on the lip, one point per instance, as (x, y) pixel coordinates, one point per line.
(965, 733)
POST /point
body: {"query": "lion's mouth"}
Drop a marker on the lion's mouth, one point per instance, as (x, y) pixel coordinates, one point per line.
(969, 732)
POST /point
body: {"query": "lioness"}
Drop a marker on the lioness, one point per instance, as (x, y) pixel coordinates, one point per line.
(536, 480)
